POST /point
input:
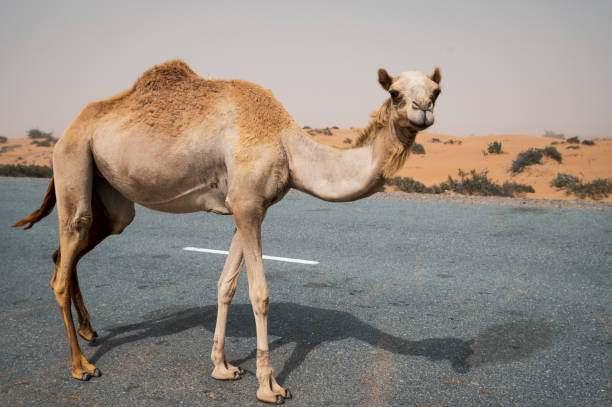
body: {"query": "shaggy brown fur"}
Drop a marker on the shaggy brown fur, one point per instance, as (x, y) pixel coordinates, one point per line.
(170, 97)
(399, 153)
(380, 118)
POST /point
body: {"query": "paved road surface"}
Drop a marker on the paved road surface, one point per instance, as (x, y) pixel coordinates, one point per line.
(412, 303)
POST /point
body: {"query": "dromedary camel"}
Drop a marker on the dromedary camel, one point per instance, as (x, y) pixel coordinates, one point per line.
(176, 142)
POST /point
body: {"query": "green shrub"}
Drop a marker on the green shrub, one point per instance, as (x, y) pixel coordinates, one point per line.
(3, 139)
(551, 152)
(307, 127)
(408, 184)
(43, 143)
(572, 147)
(347, 141)
(476, 183)
(563, 180)
(41, 138)
(451, 141)
(588, 142)
(435, 140)
(335, 127)
(573, 140)
(19, 170)
(596, 189)
(526, 158)
(552, 134)
(418, 148)
(494, 147)
(473, 183)
(39, 134)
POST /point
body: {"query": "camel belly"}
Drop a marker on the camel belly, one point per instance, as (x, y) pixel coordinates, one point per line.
(169, 175)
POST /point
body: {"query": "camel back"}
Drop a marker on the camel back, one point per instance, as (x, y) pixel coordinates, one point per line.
(171, 97)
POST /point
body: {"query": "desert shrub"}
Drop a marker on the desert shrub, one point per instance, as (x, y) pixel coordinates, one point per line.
(554, 143)
(335, 127)
(435, 140)
(451, 141)
(588, 142)
(41, 138)
(307, 127)
(551, 152)
(573, 140)
(43, 143)
(552, 134)
(408, 184)
(19, 170)
(476, 183)
(311, 132)
(347, 141)
(526, 158)
(572, 147)
(4, 149)
(596, 189)
(563, 180)
(326, 131)
(3, 139)
(418, 148)
(494, 147)
(473, 183)
(39, 134)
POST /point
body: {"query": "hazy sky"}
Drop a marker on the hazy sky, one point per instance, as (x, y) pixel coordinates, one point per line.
(507, 66)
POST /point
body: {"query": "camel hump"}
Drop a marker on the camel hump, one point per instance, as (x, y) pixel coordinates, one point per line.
(166, 75)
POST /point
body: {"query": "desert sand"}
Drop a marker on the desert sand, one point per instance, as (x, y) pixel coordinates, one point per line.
(440, 160)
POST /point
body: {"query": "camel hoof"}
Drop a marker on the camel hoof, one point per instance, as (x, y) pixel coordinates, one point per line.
(86, 377)
(280, 399)
(97, 372)
(287, 394)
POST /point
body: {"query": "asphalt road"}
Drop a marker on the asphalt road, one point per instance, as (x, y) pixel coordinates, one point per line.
(412, 303)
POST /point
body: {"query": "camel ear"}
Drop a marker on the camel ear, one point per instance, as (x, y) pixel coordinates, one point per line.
(384, 79)
(436, 76)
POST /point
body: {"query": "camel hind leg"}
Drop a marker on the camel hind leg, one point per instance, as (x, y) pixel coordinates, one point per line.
(73, 173)
(111, 214)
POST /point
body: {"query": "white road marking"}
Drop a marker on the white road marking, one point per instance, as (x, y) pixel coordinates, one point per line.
(285, 259)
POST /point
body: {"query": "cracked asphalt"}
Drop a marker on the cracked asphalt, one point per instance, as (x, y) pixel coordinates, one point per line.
(412, 304)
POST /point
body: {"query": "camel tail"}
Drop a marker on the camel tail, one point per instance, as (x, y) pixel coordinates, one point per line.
(44, 210)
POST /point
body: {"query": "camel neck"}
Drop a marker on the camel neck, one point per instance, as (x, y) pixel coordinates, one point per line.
(342, 175)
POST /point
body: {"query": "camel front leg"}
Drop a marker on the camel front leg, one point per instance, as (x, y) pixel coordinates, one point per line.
(248, 222)
(226, 287)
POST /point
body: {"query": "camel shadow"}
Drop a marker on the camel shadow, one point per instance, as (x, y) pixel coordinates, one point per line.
(308, 327)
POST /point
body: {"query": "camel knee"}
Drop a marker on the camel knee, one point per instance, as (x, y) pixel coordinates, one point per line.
(226, 290)
(61, 290)
(79, 224)
(260, 299)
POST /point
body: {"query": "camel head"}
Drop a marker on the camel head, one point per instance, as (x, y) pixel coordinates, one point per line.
(413, 97)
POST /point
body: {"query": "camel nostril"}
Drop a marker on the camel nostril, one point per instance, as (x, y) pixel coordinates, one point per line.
(416, 106)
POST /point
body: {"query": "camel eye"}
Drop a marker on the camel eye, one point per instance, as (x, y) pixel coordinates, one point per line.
(394, 94)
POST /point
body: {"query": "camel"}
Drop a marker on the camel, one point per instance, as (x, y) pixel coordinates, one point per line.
(179, 143)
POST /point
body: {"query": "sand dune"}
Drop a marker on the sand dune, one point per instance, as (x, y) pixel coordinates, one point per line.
(440, 160)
